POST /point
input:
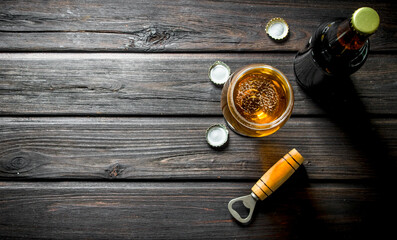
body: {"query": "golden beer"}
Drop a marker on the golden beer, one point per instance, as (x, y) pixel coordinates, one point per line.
(257, 100)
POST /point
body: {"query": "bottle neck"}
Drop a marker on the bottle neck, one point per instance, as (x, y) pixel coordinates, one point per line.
(348, 38)
(338, 48)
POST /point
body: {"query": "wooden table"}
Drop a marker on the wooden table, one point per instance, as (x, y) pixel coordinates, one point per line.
(104, 107)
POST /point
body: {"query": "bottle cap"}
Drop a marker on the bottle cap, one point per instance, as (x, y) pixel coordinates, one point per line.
(277, 29)
(217, 135)
(219, 73)
(365, 20)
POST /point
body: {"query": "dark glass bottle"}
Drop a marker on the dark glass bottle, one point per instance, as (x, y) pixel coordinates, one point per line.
(337, 49)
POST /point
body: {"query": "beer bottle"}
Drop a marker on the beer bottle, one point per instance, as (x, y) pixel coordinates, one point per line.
(337, 49)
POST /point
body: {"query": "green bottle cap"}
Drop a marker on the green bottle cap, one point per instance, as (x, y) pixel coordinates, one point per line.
(365, 20)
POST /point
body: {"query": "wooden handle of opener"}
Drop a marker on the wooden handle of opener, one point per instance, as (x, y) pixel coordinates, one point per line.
(277, 174)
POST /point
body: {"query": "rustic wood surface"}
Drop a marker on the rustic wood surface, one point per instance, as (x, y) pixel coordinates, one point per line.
(193, 210)
(104, 107)
(175, 148)
(158, 84)
(181, 26)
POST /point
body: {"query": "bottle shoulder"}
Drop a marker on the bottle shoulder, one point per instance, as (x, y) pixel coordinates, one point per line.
(331, 51)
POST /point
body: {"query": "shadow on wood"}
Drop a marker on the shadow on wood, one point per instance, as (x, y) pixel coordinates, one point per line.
(296, 200)
(340, 100)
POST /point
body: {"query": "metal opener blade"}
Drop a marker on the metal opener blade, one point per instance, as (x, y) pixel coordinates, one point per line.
(249, 201)
(268, 183)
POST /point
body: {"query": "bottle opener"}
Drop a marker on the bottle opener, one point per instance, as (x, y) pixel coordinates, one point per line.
(268, 183)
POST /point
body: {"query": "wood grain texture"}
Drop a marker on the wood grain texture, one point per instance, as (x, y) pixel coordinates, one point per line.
(81, 210)
(102, 145)
(158, 84)
(168, 26)
(175, 148)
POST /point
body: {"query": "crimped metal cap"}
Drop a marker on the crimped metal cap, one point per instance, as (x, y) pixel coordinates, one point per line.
(277, 29)
(219, 73)
(365, 20)
(217, 135)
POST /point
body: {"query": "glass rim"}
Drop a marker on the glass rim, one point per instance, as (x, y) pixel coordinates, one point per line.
(259, 126)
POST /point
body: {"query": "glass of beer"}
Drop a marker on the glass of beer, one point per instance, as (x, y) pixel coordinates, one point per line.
(257, 100)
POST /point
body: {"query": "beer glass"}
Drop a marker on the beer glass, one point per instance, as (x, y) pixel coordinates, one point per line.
(257, 100)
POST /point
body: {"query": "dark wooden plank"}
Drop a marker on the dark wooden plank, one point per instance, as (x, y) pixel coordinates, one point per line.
(157, 84)
(175, 148)
(98, 210)
(173, 26)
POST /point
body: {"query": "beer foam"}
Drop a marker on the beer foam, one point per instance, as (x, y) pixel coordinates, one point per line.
(257, 95)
